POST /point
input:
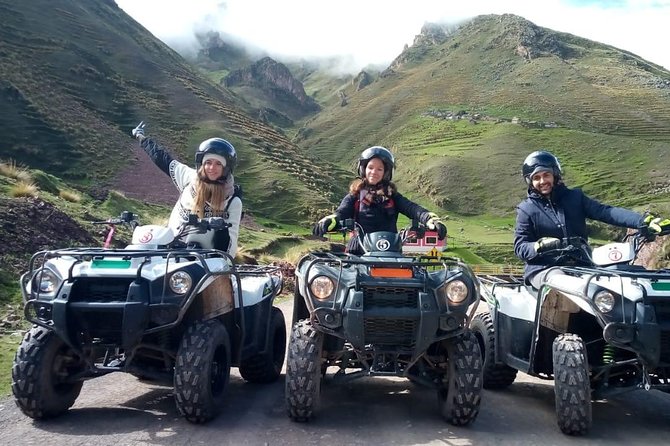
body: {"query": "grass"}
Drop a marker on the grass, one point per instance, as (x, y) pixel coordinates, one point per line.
(8, 345)
(10, 169)
(23, 189)
(71, 196)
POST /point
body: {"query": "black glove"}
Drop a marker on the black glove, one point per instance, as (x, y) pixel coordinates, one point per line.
(434, 223)
(326, 224)
(138, 132)
(547, 244)
(441, 230)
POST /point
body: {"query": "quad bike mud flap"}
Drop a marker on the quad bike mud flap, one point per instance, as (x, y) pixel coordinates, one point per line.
(217, 298)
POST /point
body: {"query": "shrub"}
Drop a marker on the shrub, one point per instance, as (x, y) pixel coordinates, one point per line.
(11, 170)
(23, 189)
(70, 196)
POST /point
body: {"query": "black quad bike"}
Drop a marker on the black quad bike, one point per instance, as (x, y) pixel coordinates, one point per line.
(383, 314)
(598, 326)
(169, 308)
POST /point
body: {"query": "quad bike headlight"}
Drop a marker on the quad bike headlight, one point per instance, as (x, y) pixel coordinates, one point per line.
(322, 287)
(604, 301)
(180, 282)
(45, 281)
(455, 292)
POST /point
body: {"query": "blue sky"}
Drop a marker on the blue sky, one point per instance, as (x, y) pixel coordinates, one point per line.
(375, 31)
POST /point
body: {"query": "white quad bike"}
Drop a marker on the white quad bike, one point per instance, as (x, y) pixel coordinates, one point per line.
(599, 328)
(169, 307)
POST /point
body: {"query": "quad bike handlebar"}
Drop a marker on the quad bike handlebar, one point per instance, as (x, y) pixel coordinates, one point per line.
(206, 224)
(577, 250)
(350, 224)
(126, 217)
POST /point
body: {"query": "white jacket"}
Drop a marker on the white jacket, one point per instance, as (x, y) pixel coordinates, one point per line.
(184, 177)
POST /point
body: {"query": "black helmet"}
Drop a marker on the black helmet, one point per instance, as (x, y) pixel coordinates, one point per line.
(539, 161)
(217, 146)
(383, 154)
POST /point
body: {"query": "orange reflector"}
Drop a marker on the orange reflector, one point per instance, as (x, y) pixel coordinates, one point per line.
(390, 272)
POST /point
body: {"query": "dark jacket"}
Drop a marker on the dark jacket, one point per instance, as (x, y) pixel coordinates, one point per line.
(376, 216)
(158, 155)
(563, 215)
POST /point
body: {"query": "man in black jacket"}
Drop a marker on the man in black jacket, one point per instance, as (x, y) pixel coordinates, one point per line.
(552, 212)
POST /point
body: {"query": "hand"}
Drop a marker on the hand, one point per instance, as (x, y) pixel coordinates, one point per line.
(434, 223)
(441, 230)
(656, 225)
(547, 244)
(326, 224)
(138, 132)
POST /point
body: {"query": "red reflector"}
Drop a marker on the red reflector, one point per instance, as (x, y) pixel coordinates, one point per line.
(390, 272)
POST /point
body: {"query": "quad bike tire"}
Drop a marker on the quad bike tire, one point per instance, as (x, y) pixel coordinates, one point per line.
(495, 376)
(202, 370)
(572, 386)
(266, 367)
(40, 364)
(460, 396)
(303, 372)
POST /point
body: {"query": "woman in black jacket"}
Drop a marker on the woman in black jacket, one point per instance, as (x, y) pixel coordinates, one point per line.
(374, 202)
(552, 212)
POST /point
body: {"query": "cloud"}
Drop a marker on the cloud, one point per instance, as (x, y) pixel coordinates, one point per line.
(375, 31)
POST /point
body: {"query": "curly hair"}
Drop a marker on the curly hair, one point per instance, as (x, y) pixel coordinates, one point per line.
(386, 188)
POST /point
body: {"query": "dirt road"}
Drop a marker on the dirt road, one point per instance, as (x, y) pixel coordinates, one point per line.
(120, 410)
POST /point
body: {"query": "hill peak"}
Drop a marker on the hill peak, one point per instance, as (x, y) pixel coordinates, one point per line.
(275, 80)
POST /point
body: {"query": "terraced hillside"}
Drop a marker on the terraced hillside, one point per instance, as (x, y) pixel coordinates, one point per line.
(604, 111)
(76, 77)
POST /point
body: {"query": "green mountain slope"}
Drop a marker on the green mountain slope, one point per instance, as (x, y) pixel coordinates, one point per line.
(75, 77)
(603, 111)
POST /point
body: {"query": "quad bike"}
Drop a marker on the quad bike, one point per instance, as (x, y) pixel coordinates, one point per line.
(169, 307)
(597, 326)
(383, 314)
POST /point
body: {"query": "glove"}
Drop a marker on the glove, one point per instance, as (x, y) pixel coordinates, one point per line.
(326, 224)
(434, 223)
(656, 225)
(441, 230)
(138, 132)
(547, 244)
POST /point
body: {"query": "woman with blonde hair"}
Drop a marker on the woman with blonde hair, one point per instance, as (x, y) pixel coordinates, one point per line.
(209, 190)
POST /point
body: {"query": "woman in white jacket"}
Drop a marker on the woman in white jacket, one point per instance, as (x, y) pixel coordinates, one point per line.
(209, 190)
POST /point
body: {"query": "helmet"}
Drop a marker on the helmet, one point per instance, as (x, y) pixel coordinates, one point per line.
(539, 161)
(217, 146)
(383, 154)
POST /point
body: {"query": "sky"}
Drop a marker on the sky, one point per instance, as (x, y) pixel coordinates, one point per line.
(374, 32)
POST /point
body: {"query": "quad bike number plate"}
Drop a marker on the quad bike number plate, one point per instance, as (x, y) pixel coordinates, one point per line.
(106, 263)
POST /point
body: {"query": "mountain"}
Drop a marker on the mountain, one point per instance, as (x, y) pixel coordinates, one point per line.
(462, 107)
(76, 77)
(269, 88)
(275, 85)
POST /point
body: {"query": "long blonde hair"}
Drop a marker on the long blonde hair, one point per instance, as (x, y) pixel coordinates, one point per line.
(213, 193)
